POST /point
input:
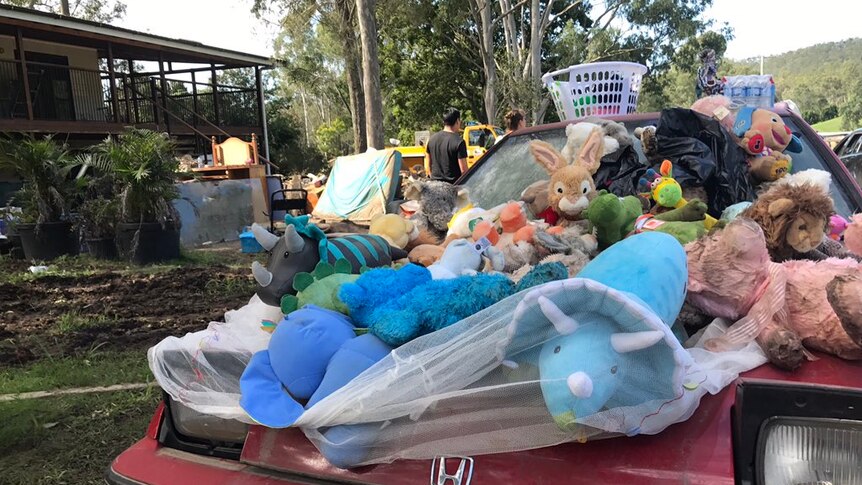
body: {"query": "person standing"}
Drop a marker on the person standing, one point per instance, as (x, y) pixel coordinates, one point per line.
(514, 120)
(446, 152)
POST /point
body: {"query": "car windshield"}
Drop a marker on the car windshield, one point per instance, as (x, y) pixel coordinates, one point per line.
(509, 169)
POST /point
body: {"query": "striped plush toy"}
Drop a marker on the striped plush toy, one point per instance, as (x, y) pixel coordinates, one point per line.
(303, 245)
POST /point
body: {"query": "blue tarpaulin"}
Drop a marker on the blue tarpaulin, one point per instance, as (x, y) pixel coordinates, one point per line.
(360, 186)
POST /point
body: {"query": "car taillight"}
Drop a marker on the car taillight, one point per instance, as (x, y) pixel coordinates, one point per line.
(203, 426)
(797, 451)
(186, 429)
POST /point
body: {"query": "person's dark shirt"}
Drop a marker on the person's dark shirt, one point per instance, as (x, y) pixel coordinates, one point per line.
(446, 148)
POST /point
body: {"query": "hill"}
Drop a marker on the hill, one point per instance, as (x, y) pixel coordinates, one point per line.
(825, 80)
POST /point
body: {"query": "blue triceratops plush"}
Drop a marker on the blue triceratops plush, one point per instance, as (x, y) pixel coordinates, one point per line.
(608, 341)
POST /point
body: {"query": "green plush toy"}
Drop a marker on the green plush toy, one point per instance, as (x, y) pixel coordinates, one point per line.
(613, 217)
(686, 223)
(693, 211)
(320, 287)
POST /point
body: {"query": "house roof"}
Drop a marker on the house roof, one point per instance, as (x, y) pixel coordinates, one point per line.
(125, 43)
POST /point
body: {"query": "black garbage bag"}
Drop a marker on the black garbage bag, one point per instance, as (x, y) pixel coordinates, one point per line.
(620, 171)
(704, 155)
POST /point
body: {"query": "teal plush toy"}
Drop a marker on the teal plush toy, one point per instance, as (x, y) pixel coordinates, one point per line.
(609, 342)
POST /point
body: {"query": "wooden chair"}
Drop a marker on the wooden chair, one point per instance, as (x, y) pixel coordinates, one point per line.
(234, 151)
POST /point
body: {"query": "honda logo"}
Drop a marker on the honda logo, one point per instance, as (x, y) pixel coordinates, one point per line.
(462, 475)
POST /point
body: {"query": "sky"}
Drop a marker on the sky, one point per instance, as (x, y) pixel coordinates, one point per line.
(761, 27)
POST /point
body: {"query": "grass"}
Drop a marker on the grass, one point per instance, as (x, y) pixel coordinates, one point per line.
(85, 265)
(73, 322)
(830, 126)
(70, 439)
(93, 368)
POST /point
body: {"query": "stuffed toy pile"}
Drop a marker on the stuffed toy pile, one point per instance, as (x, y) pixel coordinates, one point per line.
(622, 257)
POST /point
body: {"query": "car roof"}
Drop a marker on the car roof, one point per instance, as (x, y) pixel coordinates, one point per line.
(634, 117)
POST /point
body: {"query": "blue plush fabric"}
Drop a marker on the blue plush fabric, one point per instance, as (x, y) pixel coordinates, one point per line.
(424, 308)
(352, 359)
(607, 348)
(293, 366)
(378, 286)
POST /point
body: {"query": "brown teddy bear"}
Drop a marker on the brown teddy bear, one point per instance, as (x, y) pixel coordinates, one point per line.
(794, 218)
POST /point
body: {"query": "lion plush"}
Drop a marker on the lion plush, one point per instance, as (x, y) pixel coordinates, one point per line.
(794, 218)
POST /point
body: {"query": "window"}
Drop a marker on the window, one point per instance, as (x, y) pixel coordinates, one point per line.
(511, 168)
(850, 145)
(810, 158)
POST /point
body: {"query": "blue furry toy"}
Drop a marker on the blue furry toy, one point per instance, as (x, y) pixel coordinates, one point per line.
(427, 305)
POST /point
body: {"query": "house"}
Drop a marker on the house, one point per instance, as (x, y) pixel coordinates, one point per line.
(81, 79)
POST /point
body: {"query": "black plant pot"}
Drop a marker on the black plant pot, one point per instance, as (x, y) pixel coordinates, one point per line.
(149, 242)
(47, 241)
(102, 248)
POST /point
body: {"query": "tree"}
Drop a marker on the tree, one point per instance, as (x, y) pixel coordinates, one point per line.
(105, 11)
(370, 73)
(346, 20)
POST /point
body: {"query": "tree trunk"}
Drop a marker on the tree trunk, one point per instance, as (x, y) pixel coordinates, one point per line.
(535, 55)
(371, 74)
(64, 7)
(353, 67)
(489, 66)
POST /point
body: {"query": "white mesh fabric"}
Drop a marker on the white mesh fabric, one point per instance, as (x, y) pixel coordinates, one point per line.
(202, 369)
(446, 393)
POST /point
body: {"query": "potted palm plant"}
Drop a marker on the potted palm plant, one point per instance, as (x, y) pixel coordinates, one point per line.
(143, 166)
(44, 167)
(98, 223)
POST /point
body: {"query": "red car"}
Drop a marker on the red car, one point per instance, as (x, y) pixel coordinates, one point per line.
(722, 443)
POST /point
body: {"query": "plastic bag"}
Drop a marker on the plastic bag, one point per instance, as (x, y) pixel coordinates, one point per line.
(704, 155)
(202, 369)
(620, 171)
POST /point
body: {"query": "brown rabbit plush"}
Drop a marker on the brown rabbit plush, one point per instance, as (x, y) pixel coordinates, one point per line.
(571, 187)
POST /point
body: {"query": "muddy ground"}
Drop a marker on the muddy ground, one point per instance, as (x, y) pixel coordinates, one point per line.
(123, 308)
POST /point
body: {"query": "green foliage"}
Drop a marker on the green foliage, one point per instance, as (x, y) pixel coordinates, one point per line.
(287, 142)
(99, 217)
(142, 162)
(335, 138)
(824, 80)
(44, 166)
(98, 10)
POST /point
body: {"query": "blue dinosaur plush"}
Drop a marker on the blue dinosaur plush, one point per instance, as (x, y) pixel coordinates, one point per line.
(313, 352)
(609, 344)
(427, 305)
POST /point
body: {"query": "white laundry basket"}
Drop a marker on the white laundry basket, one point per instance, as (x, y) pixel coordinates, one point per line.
(596, 89)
